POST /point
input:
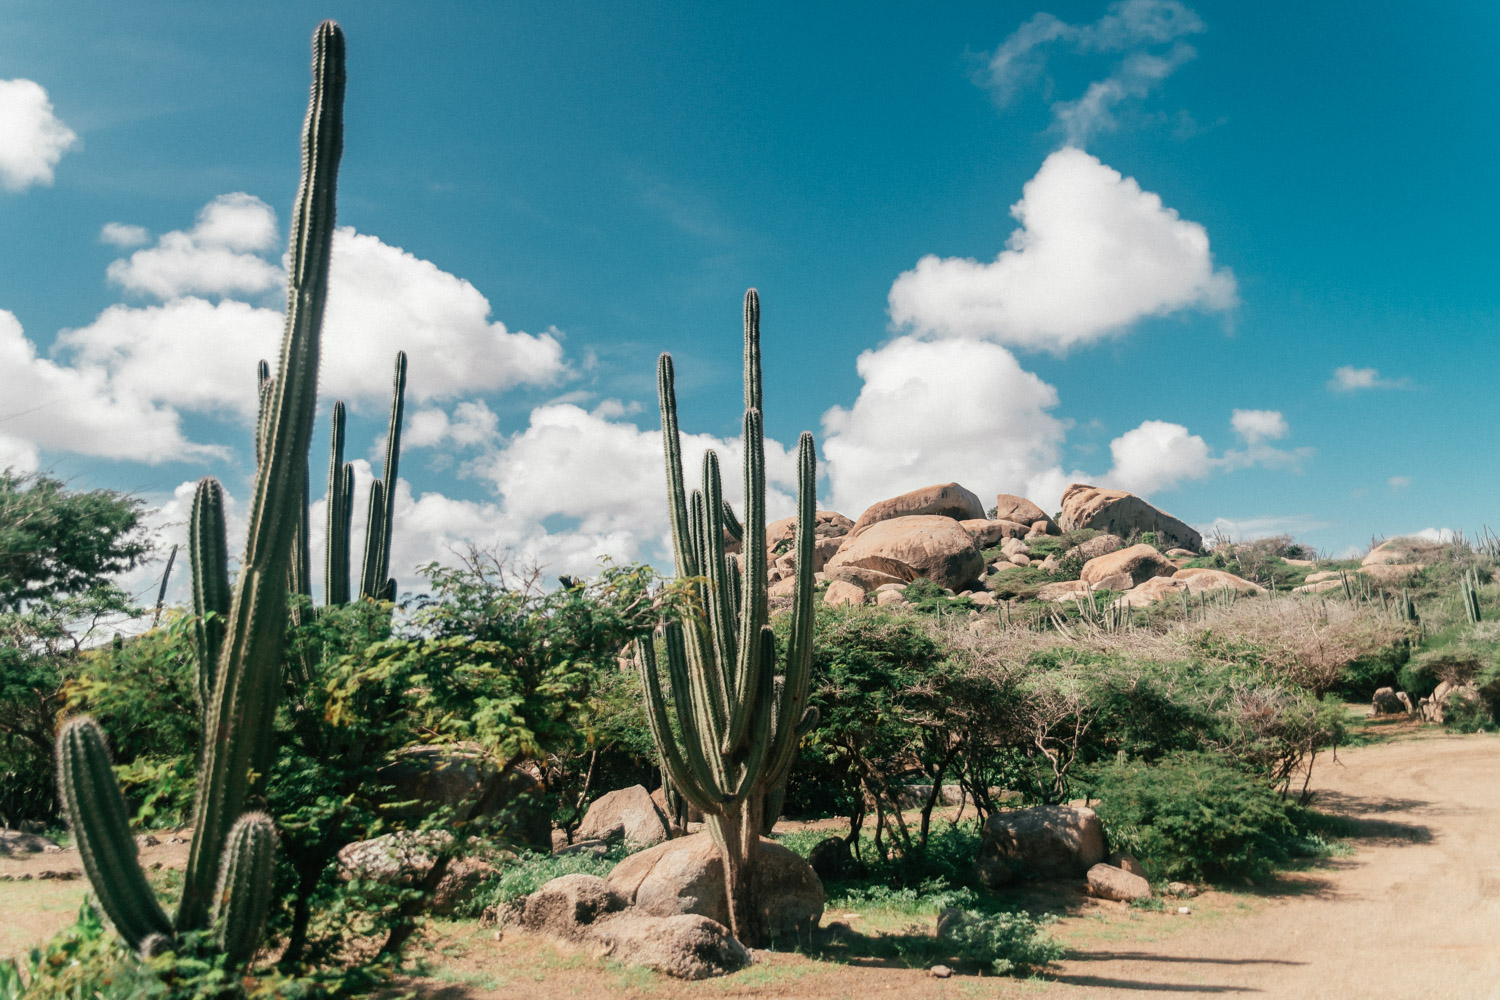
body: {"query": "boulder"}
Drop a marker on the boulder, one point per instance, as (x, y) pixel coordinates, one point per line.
(1180, 554)
(1009, 507)
(830, 859)
(1040, 842)
(785, 587)
(1391, 572)
(686, 875)
(404, 858)
(840, 592)
(1215, 579)
(1121, 513)
(583, 910)
(1319, 587)
(1138, 563)
(1109, 882)
(1020, 560)
(900, 549)
(1012, 546)
(16, 842)
(1152, 591)
(565, 907)
(988, 534)
(686, 946)
(1039, 530)
(948, 500)
(983, 598)
(1115, 581)
(1065, 591)
(1321, 575)
(459, 776)
(782, 534)
(1389, 701)
(628, 814)
(885, 598)
(1128, 862)
(1050, 564)
(1099, 545)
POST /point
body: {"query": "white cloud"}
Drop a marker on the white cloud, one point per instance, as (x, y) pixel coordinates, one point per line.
(1256, 426)
(1094, 254)
(1443, 535)
(1130, 26)
(1347, 378)
(934, 412)
(123, 236)
(1156, 457)
(32, 138)
(220, 255)
(472, 424)
(80, 409)
(1247, 529)
(1398, 482)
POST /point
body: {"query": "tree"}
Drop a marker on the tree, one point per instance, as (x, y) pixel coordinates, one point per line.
(58, 549)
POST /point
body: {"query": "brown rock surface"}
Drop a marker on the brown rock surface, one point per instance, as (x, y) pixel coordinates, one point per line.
(1139, 563)
(628, 814)
(1204, 578)
(900, 549)
(1122, 513)
(1010, 507)
(944, 499)
(1040, 842)
(1109, 882)
(840, 592)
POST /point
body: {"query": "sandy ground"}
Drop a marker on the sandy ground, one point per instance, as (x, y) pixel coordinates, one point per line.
(1414, 912)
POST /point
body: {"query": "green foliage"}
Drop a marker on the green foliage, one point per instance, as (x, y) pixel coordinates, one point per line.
(528, 871)
(56, 543)
(1192, 816)
(924, 595)
(1002, 943)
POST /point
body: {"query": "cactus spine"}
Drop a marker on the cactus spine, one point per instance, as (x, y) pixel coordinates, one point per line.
(245, 675)
(740, 711)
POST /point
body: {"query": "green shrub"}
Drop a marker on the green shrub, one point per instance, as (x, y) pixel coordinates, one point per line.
(1194, 817)
(529, 871)
(1003, 942)
(923, 594)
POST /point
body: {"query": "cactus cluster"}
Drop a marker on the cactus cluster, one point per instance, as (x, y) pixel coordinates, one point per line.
(1468, 592)
(737, 708)
(240, 631)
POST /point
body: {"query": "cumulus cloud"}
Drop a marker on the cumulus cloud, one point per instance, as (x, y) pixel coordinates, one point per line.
(124, 236)
(471, 424)
(80, 409)
(930, 411)
(1156, 457)
(1094, 253)
(32, 137)
(1149, 32)
(1398, 482)
(1256, 426)
(220, 255)
(1347, 378)
(1247, 529)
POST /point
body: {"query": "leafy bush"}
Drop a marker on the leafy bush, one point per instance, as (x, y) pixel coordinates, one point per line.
(1194, 817)
(1003, 942)
(528, 871)
(923, 594)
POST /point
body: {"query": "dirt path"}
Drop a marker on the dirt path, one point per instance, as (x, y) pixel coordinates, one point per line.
(1415, 912)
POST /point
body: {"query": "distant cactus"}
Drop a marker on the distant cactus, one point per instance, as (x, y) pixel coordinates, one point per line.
(739, 707)
(1468, 590)
(227, 877)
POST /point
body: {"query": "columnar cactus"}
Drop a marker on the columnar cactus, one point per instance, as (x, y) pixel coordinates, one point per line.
(739, 708)
(225, 887)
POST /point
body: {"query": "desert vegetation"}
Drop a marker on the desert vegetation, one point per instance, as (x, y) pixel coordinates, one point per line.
(895, 713)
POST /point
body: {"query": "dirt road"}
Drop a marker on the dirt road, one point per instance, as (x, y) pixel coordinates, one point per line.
(1414, 913)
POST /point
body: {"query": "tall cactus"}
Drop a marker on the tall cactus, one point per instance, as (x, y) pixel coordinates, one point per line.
(739, 707)
(224, 887)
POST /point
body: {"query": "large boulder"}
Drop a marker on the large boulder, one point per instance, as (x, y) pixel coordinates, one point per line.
(687, 876)
(1203, 578)
(1136, 564)
(405, 858)
(1097, 546)
(583, 910)
(1109, 882)
(841, 593)
(628, 814)
(17, 842)
(945, 500)
(900, 549)
(462, 777)
(991, 533)
(1040, 842)
(1062, 591)
(1121, 513)
(1152, 591)
(1009, 507)
(826, 524)
(685, 946)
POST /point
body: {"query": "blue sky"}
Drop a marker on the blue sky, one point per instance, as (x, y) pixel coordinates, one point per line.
(1237, 258)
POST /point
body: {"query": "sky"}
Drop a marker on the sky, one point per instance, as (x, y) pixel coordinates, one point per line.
(1239, 259)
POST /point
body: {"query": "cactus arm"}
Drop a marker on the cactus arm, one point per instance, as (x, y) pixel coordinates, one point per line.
(792, 719)
(732, 524)
(371, 580)
(686, 776)
(720, 611)
(677, 508)
(243, 893)
(237, 741)
(392, 459)
(209, 556)
(753, 386)
(336, 542)
(96, 815)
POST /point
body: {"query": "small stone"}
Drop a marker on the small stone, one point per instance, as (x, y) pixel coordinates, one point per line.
(1182, 889)
(941, 971)
(146, 840)
(1183, 911)
(53, 849)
